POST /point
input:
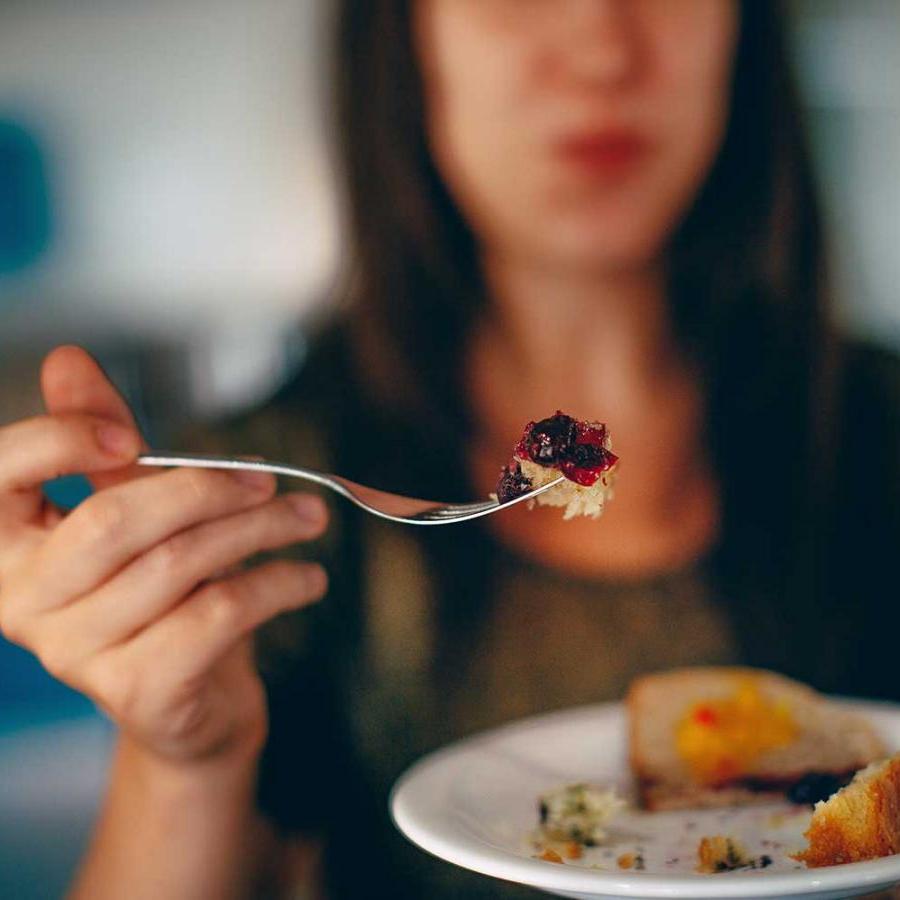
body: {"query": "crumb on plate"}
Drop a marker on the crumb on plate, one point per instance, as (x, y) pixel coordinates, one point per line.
(578, 812)
(725, 854)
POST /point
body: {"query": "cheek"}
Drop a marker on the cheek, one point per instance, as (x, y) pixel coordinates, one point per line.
(473, 88)
(695, 87)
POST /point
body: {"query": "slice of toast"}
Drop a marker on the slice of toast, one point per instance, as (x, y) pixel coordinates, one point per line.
(714, 736)
(861, 821)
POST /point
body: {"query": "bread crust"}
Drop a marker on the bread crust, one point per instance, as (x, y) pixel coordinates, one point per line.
(861, 821)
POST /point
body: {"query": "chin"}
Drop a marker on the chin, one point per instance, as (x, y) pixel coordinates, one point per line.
(607, 250)
(611, 229)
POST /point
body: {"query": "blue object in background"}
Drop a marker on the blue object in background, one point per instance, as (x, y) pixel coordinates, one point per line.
(27, 693)
(25, 213)
(53, 776)
(54, 753)
(68, 491)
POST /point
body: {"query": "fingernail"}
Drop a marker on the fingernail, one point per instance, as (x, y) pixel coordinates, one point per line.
(306, 507)
(258, 480)
(115, 439)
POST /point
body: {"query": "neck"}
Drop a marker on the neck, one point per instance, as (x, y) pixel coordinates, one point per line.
(598, 347)
(607, 328)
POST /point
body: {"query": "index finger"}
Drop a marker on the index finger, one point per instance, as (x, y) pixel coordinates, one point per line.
(72, 381)
(45, 447)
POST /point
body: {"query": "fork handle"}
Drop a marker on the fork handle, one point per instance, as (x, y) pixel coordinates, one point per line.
(211, 461)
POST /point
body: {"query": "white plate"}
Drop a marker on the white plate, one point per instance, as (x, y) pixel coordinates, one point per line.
(474, 804)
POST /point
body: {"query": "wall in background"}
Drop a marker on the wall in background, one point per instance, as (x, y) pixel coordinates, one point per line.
(849, 71)
(188, 180)
(192, 194)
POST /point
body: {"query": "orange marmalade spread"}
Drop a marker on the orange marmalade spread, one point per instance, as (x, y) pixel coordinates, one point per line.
(719, 739)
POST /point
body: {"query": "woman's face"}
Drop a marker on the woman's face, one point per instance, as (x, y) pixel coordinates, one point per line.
(575, 132)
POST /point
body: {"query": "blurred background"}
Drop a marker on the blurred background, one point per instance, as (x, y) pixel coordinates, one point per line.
(167, 200)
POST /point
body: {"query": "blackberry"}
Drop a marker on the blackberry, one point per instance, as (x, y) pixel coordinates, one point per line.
(587, 456)
(513, 483)
(549, 441)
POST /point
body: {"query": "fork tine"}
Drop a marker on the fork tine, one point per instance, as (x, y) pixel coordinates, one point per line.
(463, 508)
(457, 508)
(451, 513)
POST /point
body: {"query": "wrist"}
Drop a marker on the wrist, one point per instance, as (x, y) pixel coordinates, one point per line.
(190, 827)
(226, 775)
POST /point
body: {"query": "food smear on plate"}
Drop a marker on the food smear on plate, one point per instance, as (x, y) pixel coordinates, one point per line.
(861, 821)
(562, 445)
(718, 736)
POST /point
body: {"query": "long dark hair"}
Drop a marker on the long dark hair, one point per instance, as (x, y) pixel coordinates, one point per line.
(746, 279)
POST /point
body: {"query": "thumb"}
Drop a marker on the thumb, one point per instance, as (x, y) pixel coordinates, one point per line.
(73, 382)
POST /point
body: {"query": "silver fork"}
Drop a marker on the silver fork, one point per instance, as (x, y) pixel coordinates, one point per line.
(395, 507)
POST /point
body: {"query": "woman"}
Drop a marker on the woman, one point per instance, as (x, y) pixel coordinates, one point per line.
(599, 206)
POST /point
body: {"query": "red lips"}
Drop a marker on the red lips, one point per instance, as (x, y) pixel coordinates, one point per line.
(605, 152)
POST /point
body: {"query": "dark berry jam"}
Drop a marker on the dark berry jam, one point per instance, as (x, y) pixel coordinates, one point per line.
(577, 449)
(815, 787)
(588, 457)
(548, 442)
(512, 483)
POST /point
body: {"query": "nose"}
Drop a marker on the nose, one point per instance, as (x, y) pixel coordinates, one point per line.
(602, 41)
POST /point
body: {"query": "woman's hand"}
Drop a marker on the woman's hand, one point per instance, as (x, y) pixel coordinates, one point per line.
(133, 598)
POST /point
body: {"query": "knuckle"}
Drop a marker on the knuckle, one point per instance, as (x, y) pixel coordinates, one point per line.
(222, 606)
(169, 555)
(100, 518)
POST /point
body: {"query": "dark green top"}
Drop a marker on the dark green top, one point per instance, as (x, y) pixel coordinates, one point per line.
(431, 634)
